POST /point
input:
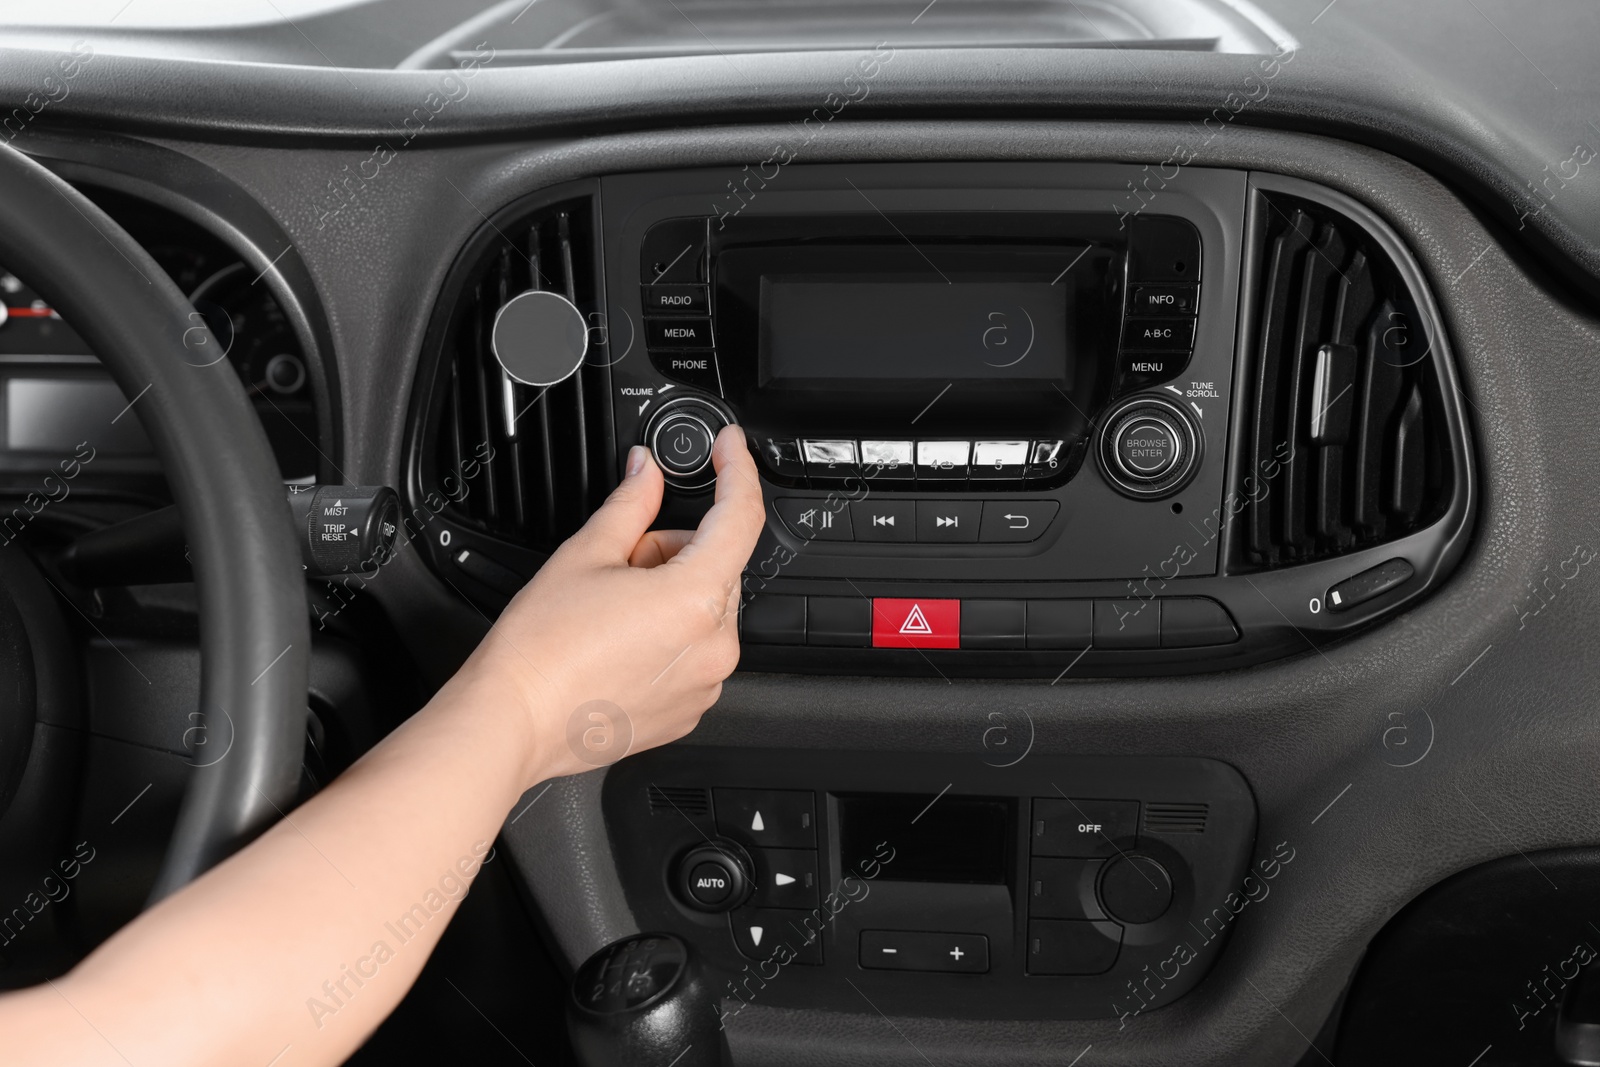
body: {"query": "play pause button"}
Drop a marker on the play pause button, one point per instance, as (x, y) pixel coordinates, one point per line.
(884, 520)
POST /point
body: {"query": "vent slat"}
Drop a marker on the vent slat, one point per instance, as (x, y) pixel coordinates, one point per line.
(1342, 410)
(678, 800)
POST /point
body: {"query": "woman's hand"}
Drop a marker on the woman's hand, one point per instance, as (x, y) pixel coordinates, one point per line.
(624, 637)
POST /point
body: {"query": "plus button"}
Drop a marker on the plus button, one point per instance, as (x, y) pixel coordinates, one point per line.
(956, 953)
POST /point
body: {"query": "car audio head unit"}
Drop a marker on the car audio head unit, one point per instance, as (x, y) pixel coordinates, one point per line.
(963, 349)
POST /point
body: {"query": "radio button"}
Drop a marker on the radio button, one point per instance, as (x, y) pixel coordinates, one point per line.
(887, 459)
(815, 519)
(1015, 521)
(943, 459)
(948, 521)
(678, 333)
(829, 459)
(1000, 460)
(884, 520)
(687, 299)
(1158, 335)
(1047, 460)
(698, 369)
(1164, 299)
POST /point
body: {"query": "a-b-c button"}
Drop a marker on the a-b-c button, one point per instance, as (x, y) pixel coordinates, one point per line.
(1147, 446)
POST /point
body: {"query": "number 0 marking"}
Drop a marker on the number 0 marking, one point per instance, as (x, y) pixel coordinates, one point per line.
(444, 539)
(1316, 605)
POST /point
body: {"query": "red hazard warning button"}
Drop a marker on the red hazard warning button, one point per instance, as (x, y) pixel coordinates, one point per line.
(898, 623)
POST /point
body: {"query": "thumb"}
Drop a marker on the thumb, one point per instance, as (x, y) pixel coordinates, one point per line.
(614, 530)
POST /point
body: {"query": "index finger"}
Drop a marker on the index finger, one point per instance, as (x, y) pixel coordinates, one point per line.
(727, 535)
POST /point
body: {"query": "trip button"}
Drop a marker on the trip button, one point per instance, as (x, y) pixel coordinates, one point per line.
(884, 520)
(676, 298)
(948, 521)
(678, 333)
(814, 519)
(1015, 520)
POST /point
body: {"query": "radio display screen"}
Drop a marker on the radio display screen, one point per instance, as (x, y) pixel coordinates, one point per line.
(853, 327)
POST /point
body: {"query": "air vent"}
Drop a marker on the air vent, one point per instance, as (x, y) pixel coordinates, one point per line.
(1348, 444)
(524, 465)
(679, 800)
(1175, 818)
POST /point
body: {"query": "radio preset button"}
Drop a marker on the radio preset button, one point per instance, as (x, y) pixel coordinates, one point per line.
(815, 519)
(781, 455)
(948, 521)
(1158, 335)
(829, 458)
(678, 333)
(943, 459)
(1000, 459)
(884, 520)
(888, 459)
(1016, 521)
(1046, 460)
(687, 299)
(1164, 299)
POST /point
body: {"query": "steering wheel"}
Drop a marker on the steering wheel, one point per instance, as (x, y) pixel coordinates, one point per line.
(254, 636)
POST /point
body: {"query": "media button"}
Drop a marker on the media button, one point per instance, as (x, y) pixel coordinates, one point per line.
(1000, 460)
(1013, 521)
(1158, 335)
(948, 521)
(884, 520)
(943, 459)
(887, 459)
(815, 518)
(678, 333)
(688, 299)
(902, 623)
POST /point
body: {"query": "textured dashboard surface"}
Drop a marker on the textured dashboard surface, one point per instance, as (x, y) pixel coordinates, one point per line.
(1484, 689)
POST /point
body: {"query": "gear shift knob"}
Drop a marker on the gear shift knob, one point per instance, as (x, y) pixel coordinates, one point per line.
(644, 1002)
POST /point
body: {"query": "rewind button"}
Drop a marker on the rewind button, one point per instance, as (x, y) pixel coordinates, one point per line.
(884, 520)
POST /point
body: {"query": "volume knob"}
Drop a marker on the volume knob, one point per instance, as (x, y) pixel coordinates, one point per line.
(681, 436)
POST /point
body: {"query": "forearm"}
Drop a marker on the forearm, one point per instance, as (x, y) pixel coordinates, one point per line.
(305, 941)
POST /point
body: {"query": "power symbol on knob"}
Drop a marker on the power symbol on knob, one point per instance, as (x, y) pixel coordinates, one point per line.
(682, 435)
